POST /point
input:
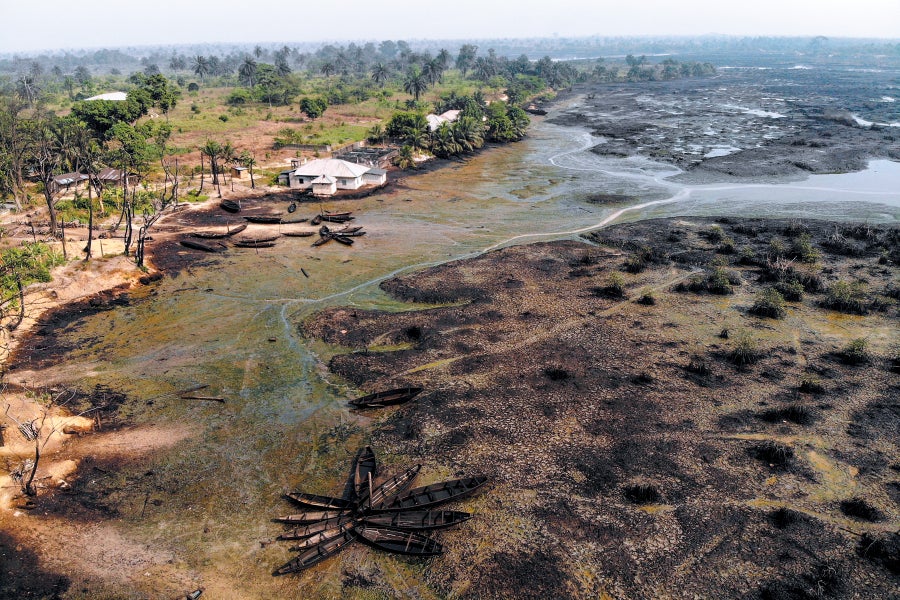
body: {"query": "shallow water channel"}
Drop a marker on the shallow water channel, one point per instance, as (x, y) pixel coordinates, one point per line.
(215, 325)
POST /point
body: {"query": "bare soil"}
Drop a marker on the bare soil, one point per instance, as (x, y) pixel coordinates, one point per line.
(630, 456)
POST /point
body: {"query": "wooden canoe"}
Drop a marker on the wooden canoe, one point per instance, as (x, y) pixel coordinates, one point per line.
(431, 495)
(347, 230)
(292, 207)
(399, 542)
(328, 213)
(230, 206)
(325, 536)
(195, 245)
(317, 554)
(390, 488)
(387, 397)
(343, 240)
(366, 465)
(313, 516)
(218, 235)
(254, 244)
(417, 519)
(264, 219)
(305, 531)
(335, 218)
(315, 220)
(258, 240)
(298, 233)
(322, 240)
(320, 502)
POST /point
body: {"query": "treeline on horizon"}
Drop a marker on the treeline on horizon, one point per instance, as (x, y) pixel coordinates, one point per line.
(700, 48)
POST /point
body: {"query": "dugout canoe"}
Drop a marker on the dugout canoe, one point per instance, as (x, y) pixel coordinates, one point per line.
(317, 502)
(324, 536)
(399, 542)
(317, 554)
(431, 495)
(390, 488)
(305, 531)
(264, 219)
(230, 206)
(366, 465)
(417, 519)
(313, 516)
(387, 397)
(298, 233)
(195, 245)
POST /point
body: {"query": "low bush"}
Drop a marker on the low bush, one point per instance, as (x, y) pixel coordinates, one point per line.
(860, 509)
(847, 297)
(810, 385)
(643, 493)
(774, 453)
(855, 353)
(769, 303)
(791, 290)
(744, 350)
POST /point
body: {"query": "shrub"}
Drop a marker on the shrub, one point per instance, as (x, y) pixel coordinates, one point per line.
(794, 413)
(647, 298)
(642, 493)
(193, 87)
(714, 233)
(791, 290)
(614, 288)
(223, 118)
(698, 366)
(769, 303)
(635, 263)
(811, 385)
(885, 551)
(726, 246)
(783, 517)
(776, 249)
(847, 297)
(556, 374)
(855, 353)
(860, 509)
(894, 358)
(747, 256)
(721, 281)
(744, 351)
(195, 109)
(802, 249)
(774, 453)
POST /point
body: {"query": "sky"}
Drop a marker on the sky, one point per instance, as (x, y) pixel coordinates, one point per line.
(28, 26)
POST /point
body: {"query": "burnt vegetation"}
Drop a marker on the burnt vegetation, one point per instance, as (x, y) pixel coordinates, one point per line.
(588, 410)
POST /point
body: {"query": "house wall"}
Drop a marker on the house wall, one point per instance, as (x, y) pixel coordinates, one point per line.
(373, 179)
(348, 183)
(324, 189)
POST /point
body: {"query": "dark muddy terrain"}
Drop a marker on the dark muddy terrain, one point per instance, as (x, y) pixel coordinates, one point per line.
(649, 427)
(750, 122)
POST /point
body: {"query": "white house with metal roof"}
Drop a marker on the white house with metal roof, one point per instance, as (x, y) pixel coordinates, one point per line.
(324, 174)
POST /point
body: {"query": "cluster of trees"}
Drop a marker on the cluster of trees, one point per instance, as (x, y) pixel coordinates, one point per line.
(36, 145)
(477, 123)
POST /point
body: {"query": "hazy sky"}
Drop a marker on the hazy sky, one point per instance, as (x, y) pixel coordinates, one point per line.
(28, 25)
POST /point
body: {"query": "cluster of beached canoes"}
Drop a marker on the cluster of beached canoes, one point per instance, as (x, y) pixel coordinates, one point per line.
(383, 513)
(210, 241)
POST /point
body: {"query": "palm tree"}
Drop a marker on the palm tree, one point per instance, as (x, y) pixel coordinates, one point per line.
(443, 59)
(406, 158)
(376, 134)
(212, 150)
(415, 82)
(444, 143)
(380, 73)
(468, 133)
(247, 71)
(201, 66)
(258, 51)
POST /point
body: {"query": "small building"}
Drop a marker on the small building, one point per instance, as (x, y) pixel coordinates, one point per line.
(375, 177)
(323, 185)
(240, 173)
(341, 174)
(435, 121)
(67, 181)
(114, 96)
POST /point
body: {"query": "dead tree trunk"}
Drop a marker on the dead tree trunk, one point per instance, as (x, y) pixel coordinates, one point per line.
(87, 248)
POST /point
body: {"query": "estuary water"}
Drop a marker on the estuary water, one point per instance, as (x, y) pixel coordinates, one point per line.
(233, 325)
